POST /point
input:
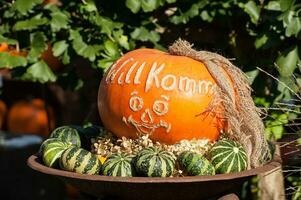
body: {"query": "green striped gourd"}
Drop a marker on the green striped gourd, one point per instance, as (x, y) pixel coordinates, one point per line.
(118, 164)
(52, 151)
(45, 142)
(195, 164)
(67, 134)
(228, 156)
(79, 160)
(154, 162)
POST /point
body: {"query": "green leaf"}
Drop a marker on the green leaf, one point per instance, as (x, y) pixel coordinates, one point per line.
(277, 130)
(66, 57)
(287, 17)
(59, 20)
(39, 72)
(149, 5)
(10, 61)
(252, 10)
(111, 49)
(89, 6)
(38, 46)
(192, 12)
(251, 75)
(59, 48)
(31, 23)
(205, 16)
(24, 6)
(105, 63)
(123, 41)
(81, 48)
(261, 101)
(286, 4)
(273, 5)
(8, 40)
(289, 82)
(293, 27)
(107, 25)
(144, 35)
(261, 41)
(133, 5)
(287, 61)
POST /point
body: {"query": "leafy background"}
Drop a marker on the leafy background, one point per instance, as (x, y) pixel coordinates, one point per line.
(262, 37)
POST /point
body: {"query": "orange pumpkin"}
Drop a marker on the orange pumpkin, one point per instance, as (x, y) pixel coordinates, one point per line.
(3, 111)
(30, 117)
(166, 96)
(53, 62)
(3, 47)
(56, 2)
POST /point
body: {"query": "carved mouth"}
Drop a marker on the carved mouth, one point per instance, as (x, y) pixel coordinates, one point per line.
(146, 128)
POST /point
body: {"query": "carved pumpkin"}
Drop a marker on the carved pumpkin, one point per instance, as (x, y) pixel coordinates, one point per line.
(30, 117)
(166, 96)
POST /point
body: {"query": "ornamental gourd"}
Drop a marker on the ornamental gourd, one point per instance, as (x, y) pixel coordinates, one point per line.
(79, 160)
(118, 164)
(228, 156)
(67, 134)
(195, 164)
(154, 162)
(148, 91)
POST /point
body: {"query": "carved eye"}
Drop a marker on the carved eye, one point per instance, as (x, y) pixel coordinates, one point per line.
(160, 107)
(136, 103)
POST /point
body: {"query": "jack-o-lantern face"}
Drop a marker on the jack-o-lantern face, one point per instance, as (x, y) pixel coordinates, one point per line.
(151, 92)
(149, 119)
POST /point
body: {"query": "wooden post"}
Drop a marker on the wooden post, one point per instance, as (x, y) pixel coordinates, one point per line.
(271, 184)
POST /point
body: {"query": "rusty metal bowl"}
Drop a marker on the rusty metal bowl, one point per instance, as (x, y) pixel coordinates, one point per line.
(188, 188)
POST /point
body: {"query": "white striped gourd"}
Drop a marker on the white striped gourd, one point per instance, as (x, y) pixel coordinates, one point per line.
(79, 160)
(154, 162)
(52, 151)
(228, 156)
(195, 164)
(118, 164)
(67, 134)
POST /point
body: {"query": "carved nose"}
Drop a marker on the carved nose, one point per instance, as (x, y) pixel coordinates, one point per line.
(147, 117)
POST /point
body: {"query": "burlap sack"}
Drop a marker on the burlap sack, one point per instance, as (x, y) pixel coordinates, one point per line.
(233, 96)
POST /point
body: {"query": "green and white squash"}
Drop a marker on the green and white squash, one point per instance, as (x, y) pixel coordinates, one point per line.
(45, 142)
(228, 156)
(118, 164)
(67, 134)
(195, 164)
(79, 160)
(52, 150)
(155, 162)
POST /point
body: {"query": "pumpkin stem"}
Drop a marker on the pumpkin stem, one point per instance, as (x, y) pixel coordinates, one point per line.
(234, 97)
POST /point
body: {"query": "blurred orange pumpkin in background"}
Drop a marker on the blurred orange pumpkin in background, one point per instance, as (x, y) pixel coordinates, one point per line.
(30, 117)
(56, 2)
(53, 62)
(3, 47)
(3, 111)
